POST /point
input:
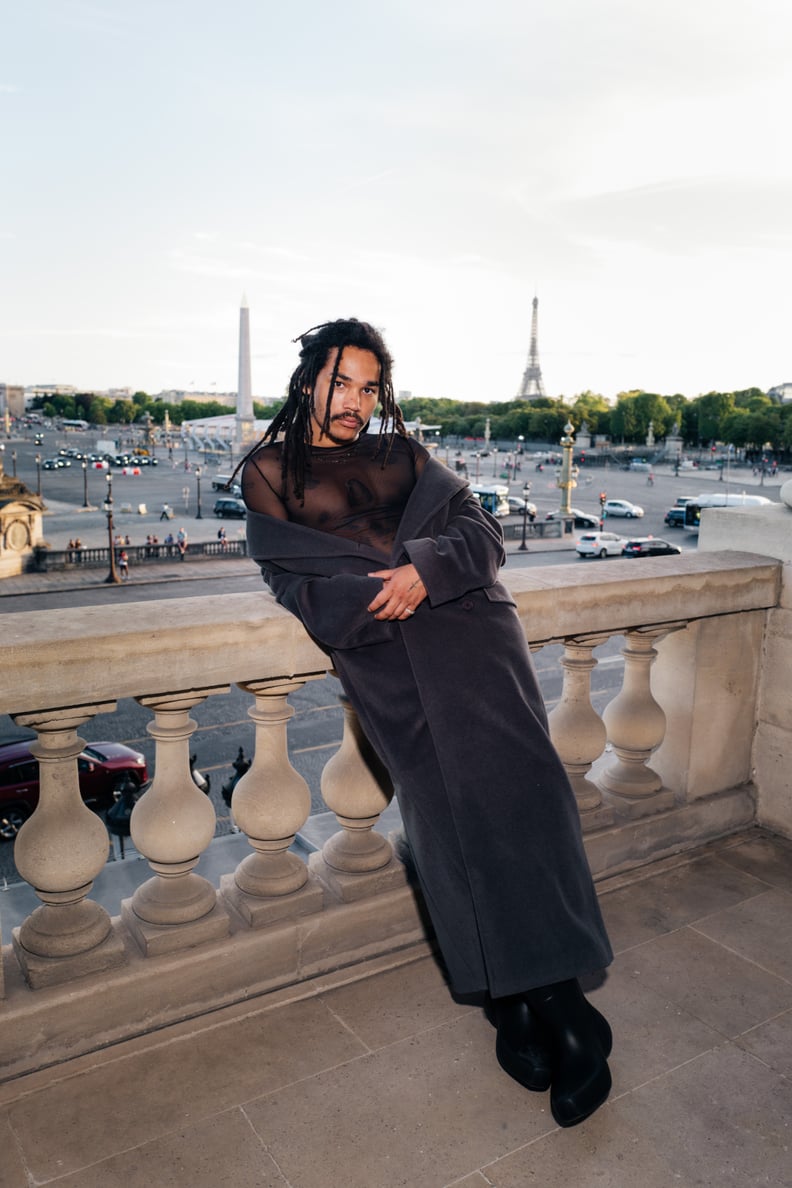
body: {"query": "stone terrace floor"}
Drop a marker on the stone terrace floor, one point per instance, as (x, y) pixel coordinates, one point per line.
(385, 1081)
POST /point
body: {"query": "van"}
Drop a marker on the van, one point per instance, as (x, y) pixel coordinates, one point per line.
(222, 482)
(493, 497)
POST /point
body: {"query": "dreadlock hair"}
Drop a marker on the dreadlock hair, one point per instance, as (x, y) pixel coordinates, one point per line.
(294, 421)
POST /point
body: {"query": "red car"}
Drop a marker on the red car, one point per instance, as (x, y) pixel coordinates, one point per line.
(102, 767)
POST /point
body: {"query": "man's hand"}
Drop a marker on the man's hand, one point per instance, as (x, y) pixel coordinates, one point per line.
(402, 591)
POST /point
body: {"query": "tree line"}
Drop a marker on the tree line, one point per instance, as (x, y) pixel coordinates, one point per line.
(749, 420)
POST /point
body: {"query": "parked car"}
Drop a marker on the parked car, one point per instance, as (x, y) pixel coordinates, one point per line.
(518, 505)
(600, 544)
(102, 768)
(649, 546)
(622, 507)
(233, 508)
(675, 517)
(582, 519)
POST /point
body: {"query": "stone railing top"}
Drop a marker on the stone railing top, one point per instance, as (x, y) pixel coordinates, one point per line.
(84, 655)
(562, 601)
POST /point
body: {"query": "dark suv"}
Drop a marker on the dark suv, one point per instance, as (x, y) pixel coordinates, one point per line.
(102, 767)
(649, 546)
(675, 517)
(230, 507)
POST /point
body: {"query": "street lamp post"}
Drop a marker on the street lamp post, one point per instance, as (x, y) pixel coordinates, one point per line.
(84, 465)
(494, 461)
(566, 480)
(526, 492)
(112, 576)
(13, 463)
(38, 474)
(198, 514)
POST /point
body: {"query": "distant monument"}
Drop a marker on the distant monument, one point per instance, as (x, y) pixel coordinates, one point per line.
(20, 523)
(532, 384)
(245, 424)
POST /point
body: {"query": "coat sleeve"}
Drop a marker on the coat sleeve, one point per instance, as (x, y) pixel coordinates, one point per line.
(332, 609)
(465, 555)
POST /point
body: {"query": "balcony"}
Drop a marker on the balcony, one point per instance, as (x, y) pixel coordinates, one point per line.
(288, 1024)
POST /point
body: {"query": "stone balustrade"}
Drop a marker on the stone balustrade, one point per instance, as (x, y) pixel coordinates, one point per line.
(648, 776)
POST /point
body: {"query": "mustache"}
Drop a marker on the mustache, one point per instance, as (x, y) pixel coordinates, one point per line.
(346, 416)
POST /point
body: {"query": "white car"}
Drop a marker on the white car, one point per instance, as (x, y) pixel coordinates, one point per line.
(622, 507)
(600, 544)
(517, 505)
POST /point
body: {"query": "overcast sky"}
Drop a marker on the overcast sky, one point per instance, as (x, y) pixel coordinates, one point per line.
(427, 166)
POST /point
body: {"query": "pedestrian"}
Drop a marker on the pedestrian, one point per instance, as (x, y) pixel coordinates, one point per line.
(165, 514)
(390, 563)
(123, 565)
(222, 537)
(181, 543)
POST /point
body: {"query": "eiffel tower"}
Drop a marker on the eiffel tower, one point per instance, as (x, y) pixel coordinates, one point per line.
(532, 384)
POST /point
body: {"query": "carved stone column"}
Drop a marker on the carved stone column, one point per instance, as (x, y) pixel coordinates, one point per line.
(357, 788)
(172, 824)
(636, 725)
(59, 851)
(578, 732)
(270, 803)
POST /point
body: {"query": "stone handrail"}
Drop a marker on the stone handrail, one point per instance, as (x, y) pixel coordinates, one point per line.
(693, 628)
(45, 560)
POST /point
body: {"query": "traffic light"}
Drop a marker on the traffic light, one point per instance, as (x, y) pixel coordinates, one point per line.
(603, 495)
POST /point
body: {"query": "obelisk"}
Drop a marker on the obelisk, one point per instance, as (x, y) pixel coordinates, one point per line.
(245, 421)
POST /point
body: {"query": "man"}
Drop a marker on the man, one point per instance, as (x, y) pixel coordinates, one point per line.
(391, 564)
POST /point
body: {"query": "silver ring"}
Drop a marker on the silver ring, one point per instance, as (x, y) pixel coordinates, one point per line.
(408, 611)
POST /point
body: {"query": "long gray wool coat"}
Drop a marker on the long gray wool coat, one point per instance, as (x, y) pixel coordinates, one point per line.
(450, 702)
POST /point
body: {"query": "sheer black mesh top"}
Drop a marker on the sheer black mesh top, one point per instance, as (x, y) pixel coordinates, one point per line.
(350, 490)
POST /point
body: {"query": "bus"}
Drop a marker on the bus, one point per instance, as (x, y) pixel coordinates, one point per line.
(493, 497)
(694, 507)
(74, 425)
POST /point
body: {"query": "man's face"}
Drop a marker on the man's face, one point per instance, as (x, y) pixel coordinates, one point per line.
(353, 399)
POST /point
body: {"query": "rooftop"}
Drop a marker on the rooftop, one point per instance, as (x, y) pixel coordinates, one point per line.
(381, 1080)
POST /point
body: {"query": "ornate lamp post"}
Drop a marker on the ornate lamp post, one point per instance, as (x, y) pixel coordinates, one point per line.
(494, 461)
(38, 474)
(567, 479)
(198, 514)
(112, 576)
(13, 462)
(84, 465)
(526, 492)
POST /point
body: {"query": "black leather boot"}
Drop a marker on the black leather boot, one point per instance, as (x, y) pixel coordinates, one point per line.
(523, 1046)
(581, 1043)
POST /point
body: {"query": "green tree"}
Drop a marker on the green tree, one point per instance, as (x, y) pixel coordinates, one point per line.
(594, 410)
(712, 409)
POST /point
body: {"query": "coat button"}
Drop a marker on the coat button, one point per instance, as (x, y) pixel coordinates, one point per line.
(467, 604)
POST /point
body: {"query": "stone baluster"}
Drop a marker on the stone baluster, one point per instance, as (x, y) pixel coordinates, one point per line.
(357, 788)
(59, 851)
(578, 732)
(172, 824)
(270, 803)
(635, 724)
